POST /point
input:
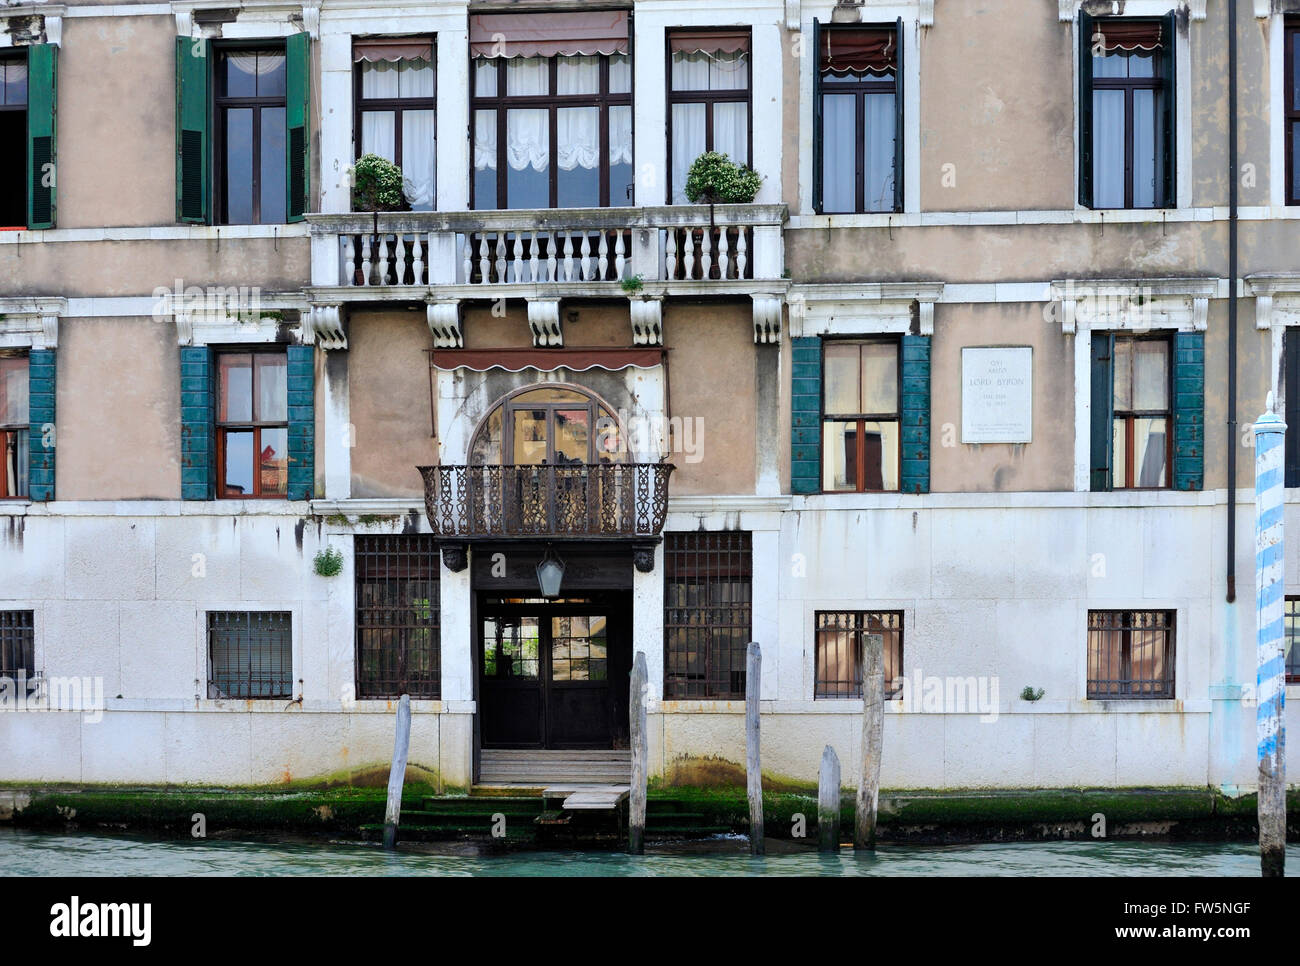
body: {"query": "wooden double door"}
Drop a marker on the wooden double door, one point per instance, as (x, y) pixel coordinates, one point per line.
(554, 674)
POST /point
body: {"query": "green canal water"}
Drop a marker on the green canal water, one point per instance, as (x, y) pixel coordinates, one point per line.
(39, 854)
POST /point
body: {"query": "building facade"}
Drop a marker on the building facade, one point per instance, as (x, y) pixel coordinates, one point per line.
(974, 370)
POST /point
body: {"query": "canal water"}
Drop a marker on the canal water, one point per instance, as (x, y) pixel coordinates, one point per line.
(39, 854)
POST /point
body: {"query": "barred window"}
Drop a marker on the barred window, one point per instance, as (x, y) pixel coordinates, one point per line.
(841, 636)
(708, 590)
(1292, 625)
(1130, 654)
(397, 617)
(17, 643)
(250, 654)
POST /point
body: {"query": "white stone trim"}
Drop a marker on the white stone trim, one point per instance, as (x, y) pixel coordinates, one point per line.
(203, 324)
(445, 323)
(647, 318)
(155, 233)
(253, 18)
(1042, 216)
(1262, 8)
(863, 309)
(1277, 307)
(767, 319)
(322, 324)
(1069, 9)
(544, 321)
(31, 323)
(46, 21)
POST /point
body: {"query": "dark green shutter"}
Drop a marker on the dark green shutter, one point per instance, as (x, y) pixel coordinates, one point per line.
(1086, 30)
(898, 118)
(1103, 409)
(914, 413)
(192, 142)
(42, 134)
(302, 422)
(1169, 113)
(198, 444)
(41, 435)
(297, 113)
(806, 416)
(817, 116)
(1189, 410)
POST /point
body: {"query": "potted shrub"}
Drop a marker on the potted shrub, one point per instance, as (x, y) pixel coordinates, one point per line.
(715, 179)
(377, 185)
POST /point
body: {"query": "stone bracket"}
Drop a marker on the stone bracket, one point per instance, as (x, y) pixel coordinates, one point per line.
(454, 557)
(322, 324)
(445, 323)
(30, 323)
(544, 320)
(767, 319)
(647, 315)
(643, 557)
(1134, 304)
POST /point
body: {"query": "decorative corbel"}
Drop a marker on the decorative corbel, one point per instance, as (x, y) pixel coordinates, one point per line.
(1200, 313)
(184, 21)
(323, 325)
(925, 13)
(1262, 9)
(1263, 312)
(454, 557)
(54, 30)
(1197, 9)
(767, 319)
(792, 15)
(647, 316)
(311, 21)
(643, 557)
(50, 331)
(544, 320)
(444, 318)
(1065, 10)
(184, 326)
(925, 317)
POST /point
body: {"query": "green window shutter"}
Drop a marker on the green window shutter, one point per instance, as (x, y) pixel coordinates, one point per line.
(198, 443)
(914, 415)
(898, 118)
(1169, 110)
(40, 427)
(42, 134)
(192, 140)
(1103, 409)
(817, 117)
(1189, 410)
(806, 416)
(1086, 30)
(297, 113)
(302, 422)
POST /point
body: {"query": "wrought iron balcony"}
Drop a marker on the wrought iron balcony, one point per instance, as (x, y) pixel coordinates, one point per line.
(583, 250)
(585, 500)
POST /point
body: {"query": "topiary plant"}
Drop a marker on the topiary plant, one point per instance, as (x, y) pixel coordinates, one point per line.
(377, 185)
(715, 179)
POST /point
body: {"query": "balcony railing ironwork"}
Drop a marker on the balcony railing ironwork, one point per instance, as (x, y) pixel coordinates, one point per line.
(588, 500)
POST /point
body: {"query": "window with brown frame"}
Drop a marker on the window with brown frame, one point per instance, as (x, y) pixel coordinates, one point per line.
(557, 425)
(552, 132)
(13, 138)
(250, 654)
(397, 616)
(708, 595)
(251, 135)
(1130, 654)
(861, 446)
(1291, 76)
(709, 106)
(841, 636)
(395, 93)
(1141, 445)
(1291, 624)
(14, 426)
(252, 424)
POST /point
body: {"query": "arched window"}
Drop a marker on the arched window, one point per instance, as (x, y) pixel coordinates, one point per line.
(553, 424)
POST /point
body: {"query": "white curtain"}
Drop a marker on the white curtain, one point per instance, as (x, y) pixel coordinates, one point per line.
(528, 135)
(731, 130)
(379, 79)
(879, 174)
(620, 135)
(485, 140)
(404, 79)
(688, 144)
(577, 135)
(419, 153)
(1108, 149)
(1144, 149)
(377, 128)
(839, 155)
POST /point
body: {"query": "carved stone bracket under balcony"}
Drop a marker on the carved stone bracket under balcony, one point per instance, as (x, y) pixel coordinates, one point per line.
(647, 315)
(767, 319)
(454, 557)
(544, 320)
(444, 317)
(322, 325)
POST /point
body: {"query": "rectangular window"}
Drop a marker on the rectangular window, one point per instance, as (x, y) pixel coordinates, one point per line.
(13, 139)
(1291, 621)
(841, 636)
(708, 592)
(1130, 654)
(14, 422)
(397, 617)
(17, 643)
(860, 402)
(857, 100)
(1127, 114)
(396, 111)
(1291, 129)
(708, 100)
(552, 132)
(1291, 386)
(1142, 417)
(252, 424)
(252, 136)
(250, 654)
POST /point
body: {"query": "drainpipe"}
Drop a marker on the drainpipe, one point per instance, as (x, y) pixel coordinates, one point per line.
(1232, 301)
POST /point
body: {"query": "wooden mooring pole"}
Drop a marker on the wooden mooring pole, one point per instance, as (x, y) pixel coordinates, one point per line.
(640, 756)
(397, 774)
(873, 726)
(828, 802)
(753, 766)
(1270, 675)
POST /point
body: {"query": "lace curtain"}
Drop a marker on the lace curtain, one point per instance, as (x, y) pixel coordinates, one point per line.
(403, 79)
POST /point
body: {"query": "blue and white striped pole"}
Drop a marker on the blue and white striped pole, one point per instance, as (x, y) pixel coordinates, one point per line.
(1270, 681)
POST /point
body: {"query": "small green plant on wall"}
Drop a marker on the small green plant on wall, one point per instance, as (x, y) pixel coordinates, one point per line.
(377, 185)
(328, 562)
(633, 285)
(715, 179)
(1031, 694)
